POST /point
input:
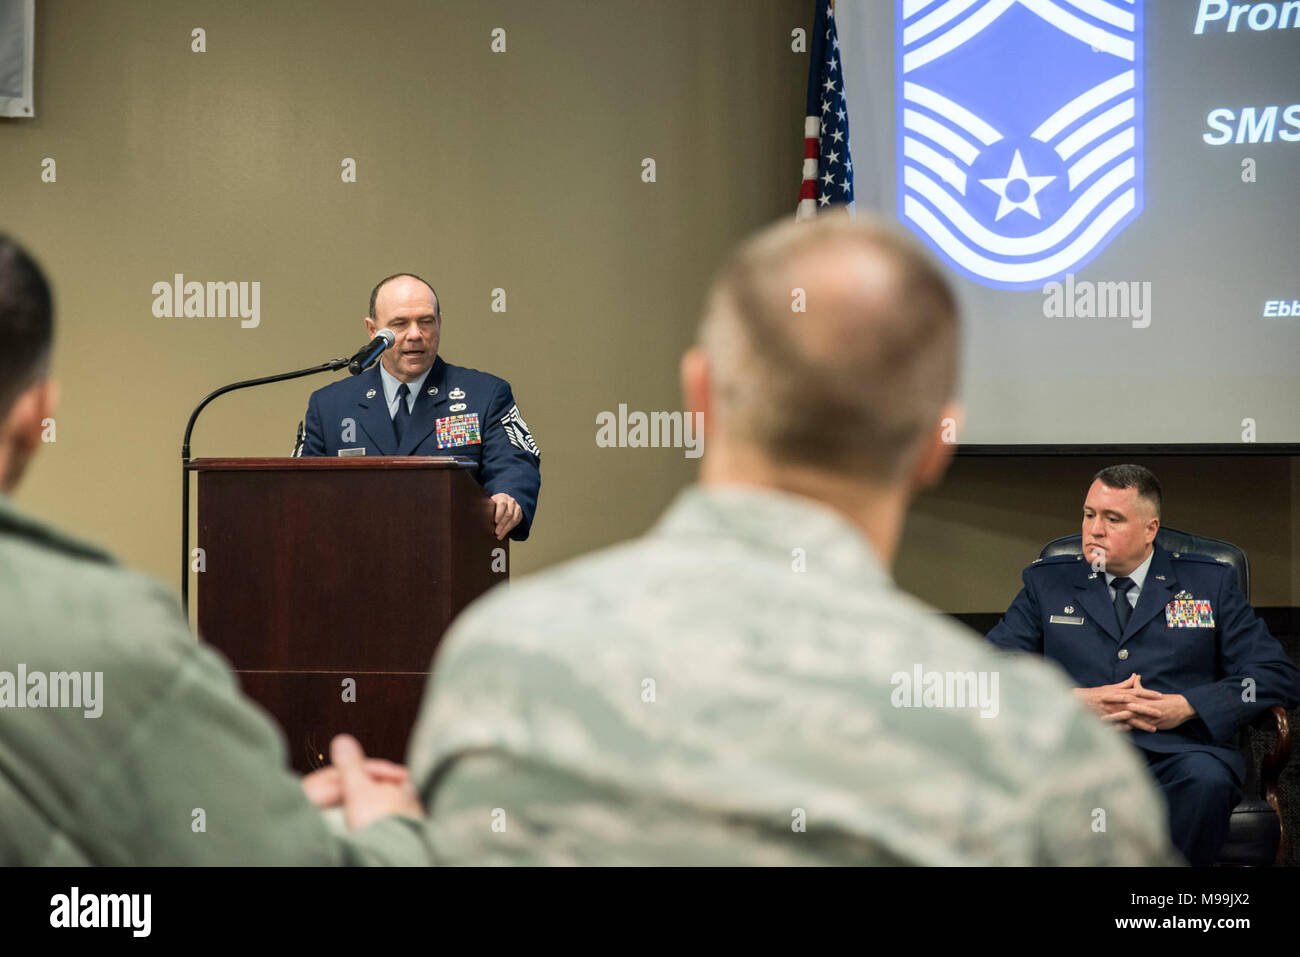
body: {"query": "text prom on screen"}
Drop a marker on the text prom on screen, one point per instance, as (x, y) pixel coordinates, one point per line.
(1019, 129)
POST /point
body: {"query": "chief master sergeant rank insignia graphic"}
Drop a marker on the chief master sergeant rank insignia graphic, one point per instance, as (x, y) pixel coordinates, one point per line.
(1019, 132)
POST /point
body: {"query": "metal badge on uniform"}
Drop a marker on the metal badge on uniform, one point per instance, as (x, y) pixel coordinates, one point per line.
(456, 393)
(458, 430)
(1183, 595)
(1189, 613)
(457, 407)
(370, 394)
(433, 390)
(360, 451)
(1067, 618)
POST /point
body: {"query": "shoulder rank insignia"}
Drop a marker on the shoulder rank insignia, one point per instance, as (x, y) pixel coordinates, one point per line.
(1193, 557)
(1056, 559)
(517, 432)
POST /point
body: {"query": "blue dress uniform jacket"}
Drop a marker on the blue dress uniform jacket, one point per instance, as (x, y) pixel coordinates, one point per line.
(1177, 643)
(458, 411)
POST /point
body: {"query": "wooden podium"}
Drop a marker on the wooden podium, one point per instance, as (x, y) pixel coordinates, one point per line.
(321, 570)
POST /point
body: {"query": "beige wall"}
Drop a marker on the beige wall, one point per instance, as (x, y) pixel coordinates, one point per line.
(519, 170)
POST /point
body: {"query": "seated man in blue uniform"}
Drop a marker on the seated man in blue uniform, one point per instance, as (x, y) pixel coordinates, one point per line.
(413, 403)
(1162, 644)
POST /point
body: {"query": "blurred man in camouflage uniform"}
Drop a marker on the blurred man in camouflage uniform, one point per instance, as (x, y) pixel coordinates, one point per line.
(122, 739)
(745, 684)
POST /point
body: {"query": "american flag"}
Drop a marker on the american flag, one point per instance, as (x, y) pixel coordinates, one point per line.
(827, 165)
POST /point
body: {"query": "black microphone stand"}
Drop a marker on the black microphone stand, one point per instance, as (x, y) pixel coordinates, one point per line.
(331, 366)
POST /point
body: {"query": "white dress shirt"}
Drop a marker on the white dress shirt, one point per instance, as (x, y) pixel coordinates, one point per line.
(1139, 576)
(391, 382)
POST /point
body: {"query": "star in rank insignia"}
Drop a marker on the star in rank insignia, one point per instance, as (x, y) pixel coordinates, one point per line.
(1019, 132)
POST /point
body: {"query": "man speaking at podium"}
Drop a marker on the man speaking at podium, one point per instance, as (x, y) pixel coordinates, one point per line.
(413, 403)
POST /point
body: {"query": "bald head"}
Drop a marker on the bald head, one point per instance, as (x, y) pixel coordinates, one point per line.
(854, 382)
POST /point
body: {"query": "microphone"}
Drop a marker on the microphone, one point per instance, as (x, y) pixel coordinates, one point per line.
(370, 351)
(357, 364)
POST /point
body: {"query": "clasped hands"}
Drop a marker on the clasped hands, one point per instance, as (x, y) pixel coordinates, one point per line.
(367, 788)
(1129, 705)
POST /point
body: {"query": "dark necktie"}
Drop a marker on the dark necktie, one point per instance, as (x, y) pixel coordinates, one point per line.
(1122, 608)
(402, 418)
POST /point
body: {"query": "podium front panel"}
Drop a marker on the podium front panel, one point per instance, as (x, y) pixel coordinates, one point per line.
(317, 570)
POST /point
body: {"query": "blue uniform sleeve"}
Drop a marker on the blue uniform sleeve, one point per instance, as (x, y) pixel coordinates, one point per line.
(314, 438)
(1021, 628)
(511, 458)
(1253, 664)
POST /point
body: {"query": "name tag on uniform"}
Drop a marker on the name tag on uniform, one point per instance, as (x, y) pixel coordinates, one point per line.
(1065, 620)
(360, 451)
(458, 430)
(1189, 613)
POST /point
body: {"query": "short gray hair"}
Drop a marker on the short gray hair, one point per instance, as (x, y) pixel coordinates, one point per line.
(859, 401)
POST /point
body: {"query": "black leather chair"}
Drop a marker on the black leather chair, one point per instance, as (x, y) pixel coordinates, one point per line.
(1256, 835)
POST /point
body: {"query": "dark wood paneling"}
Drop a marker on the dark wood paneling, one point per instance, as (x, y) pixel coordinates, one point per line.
(353, 568)
(310, 709)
